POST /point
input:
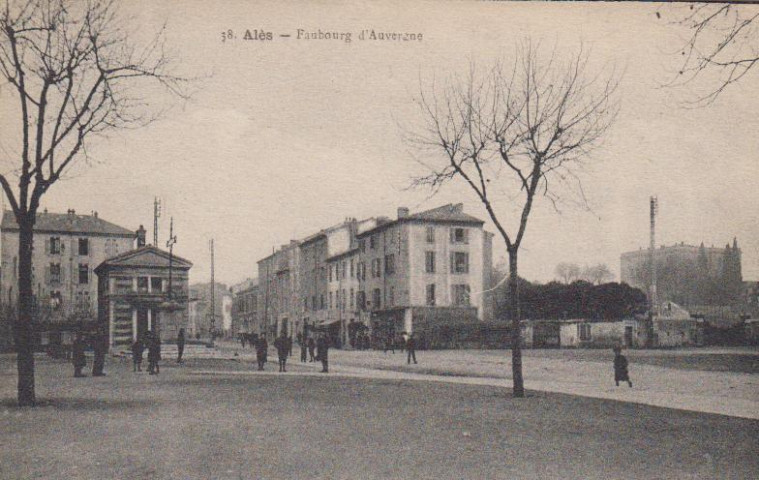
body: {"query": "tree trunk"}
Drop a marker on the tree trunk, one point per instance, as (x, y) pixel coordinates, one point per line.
(516, 330)
(24, 333)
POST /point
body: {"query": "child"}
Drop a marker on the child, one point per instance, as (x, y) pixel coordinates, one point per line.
(620, 368)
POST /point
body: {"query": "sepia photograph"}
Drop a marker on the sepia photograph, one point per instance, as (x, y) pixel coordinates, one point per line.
(248, 239)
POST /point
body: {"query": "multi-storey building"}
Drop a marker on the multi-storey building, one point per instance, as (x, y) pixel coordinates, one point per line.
(279, 291)
(314, 283)
(245, 307)
(425, 269)
(687, 274)
(67, 248)
(142, 290)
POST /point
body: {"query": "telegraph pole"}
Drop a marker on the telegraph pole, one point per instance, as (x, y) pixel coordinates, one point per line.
(213, 294)
(156, 215)
(170, 243)
(652, 300)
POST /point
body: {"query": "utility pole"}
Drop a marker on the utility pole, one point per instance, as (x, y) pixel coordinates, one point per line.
(652, 299)
(170, 243)
(213, 294)
(156, 215)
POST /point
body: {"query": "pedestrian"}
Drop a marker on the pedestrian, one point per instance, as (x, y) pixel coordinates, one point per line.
(180, 345)
(322, 352)
(262, 347)
(154, 353)
(389, 343)
(99, 348)
(411, 348)
(281, 344)
(242, 340)
(289, 346)
(621, 373)
(311, 348)
(303, 350)
(77, 355)
(137, 349)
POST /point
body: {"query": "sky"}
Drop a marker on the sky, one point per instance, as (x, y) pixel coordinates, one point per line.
(282, 138)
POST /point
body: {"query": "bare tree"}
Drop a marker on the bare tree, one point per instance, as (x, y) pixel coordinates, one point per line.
(519, 131)
(721, 43)
(567, 272)
(597, 274)
(73, 74)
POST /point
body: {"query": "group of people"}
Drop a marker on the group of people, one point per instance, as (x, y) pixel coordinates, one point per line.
(317, 350)
(99, 343)
(152, 342)
(407, 343)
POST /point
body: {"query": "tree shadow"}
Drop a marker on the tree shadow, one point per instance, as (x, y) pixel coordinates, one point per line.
(77, 404)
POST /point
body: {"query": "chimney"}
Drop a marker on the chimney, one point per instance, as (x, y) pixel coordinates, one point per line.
(457, 208)
(141, 237)
(402, 212)
(95, 214)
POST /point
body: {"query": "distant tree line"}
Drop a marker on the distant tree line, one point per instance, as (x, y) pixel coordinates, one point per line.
(579, 299)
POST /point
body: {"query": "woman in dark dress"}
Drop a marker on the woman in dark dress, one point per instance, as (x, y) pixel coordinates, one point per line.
(620, 368)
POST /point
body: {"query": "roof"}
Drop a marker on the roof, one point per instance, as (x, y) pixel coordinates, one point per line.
(446, 213)
(450, 213)
(148, 256)
(68, 223)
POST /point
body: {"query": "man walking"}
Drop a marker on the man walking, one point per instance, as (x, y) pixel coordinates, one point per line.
(322, 352)
(621, 373)
(137, 349)
(411, 348)
(303, 350)
(262, 346)
(77, 355)
(311, 348)
(283, 347)
(180, 345)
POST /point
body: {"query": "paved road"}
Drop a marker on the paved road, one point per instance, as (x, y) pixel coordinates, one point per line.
(726, 393)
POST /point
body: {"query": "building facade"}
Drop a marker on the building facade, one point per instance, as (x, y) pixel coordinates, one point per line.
(67, 248)
(279, 292)
(142, 290)
(425, 269)
(244, 307)
(687, 274)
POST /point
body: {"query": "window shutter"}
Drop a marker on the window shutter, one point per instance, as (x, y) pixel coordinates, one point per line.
(466, 235)
(453, 262)
(452, 232)
(47, 275)
(47, 245)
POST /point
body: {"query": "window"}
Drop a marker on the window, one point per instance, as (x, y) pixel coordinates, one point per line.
(56, 300)
(430, 235)
(330, 300)
(55, 245)
(376, 268)
(84, 246)
(156, 284)
(376, 298)
(313, 302)
(460, 295)
(459, 262)
(321, 298)
(431, 294)
(330, 273)
(429, 262)
(342, 300)
(352, 299)
(344, 273)
(391, 297)
(362, 245)
(361, 271)
(142, 284)
(459, 235)
(373, 242)
(55, 273)
(84, 274)
(389, 264)
(361, 300)
(583, 331)
(352, 268)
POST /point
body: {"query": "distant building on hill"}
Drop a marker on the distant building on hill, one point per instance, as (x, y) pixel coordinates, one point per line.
(688, 275)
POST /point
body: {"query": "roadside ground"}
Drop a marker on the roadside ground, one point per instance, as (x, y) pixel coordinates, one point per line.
(237, 423)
